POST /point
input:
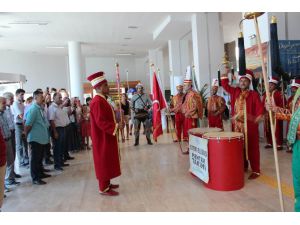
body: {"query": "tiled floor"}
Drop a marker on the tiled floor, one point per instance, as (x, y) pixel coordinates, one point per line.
(154, 178)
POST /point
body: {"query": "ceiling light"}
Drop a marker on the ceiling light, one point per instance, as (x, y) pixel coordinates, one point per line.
(124, 54)
(133, 27)
(30, 22)
(127, 38)
(3, 26)
(124, 45)
(55, 47)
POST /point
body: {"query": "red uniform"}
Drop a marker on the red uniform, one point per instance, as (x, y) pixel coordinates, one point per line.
(247, 103)
(278, 101)
(105, 144)
(176, 107)
(215, 107)
(192, 108)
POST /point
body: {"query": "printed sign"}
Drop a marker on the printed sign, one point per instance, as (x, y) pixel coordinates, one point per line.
(198, 148)
(290, 56)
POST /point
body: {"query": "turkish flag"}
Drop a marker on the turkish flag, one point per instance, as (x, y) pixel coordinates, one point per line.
(158, 104)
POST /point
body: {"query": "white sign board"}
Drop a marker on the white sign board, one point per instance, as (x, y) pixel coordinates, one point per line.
(199, 157)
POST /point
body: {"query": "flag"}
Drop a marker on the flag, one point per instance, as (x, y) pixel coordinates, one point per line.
(158, 104)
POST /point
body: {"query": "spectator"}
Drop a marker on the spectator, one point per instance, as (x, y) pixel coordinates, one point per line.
(36, 130)
(10, 159)
(86, 127)
(126, 108)
(21, 143)
(10, 117)
(59, 121)
(2, 168)
(66, 106)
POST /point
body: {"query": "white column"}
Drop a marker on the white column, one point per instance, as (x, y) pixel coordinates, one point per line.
(208, 46)
(76, 84)
(178, 61)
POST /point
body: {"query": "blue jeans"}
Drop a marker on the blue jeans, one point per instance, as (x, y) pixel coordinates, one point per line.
(21, 145)
(59, 147)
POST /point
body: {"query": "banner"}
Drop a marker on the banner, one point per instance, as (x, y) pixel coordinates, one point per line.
(198, 148)
(290, 56)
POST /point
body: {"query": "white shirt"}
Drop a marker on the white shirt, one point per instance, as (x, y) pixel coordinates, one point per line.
(18, 109)
(10, 117)
(58, 115)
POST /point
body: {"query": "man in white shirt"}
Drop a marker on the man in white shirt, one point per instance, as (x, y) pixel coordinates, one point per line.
(21, 143)
(59, 120)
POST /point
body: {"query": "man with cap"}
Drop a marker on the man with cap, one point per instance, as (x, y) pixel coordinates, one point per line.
(176, 107)
(103, 134)
(248, 112)
(215, 106)
(192, 107)
(141, 105)
(277, 100)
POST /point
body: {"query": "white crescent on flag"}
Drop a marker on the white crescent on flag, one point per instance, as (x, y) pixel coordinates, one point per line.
(156, 102)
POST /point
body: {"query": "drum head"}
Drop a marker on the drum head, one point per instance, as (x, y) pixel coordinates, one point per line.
(223, 135)
(204, 130)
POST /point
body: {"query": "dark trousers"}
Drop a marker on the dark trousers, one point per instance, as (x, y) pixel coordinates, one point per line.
(36, 160)
(59, 146)
(68, 136)
(47, 153)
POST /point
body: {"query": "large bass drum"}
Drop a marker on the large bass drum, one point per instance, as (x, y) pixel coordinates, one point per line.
(225, 160)
(199, 132)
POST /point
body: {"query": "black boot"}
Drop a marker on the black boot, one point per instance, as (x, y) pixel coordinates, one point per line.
(149, 141)
(136, 141)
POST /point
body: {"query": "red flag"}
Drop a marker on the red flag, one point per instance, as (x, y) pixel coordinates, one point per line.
(158, 104)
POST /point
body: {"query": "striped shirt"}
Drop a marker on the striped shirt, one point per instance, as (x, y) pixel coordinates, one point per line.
(4, 126)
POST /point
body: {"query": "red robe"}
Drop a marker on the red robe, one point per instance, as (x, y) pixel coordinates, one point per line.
(254, 110)
(215, 104)
(176, 107)
(192, 109)
(279, 102)
(105, 144)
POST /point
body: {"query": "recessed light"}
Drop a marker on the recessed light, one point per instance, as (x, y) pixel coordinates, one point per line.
(133, 27)
(30, 22)
(55, 47)
(127, 38)
(6, 27)
(124, 45)
(124, 54)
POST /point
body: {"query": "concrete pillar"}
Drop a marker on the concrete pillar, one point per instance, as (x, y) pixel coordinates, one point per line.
(208, 46)
(75, 68)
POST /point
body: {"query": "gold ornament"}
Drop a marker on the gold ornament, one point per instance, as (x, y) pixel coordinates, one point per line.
(252, 15)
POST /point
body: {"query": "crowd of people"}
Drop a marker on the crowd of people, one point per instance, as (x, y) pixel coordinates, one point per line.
(43, 131)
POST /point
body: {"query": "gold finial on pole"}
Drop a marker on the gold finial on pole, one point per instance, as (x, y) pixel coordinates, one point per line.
(252, 15)
(241, 35)
(225, 60)
(273, 19)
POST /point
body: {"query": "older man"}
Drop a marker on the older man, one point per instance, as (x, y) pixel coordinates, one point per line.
(2, 167)
(10, 158)
(103, 133)
(10, 117)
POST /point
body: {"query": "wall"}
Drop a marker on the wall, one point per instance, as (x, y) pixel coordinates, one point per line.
(40, 70)
(137, 68)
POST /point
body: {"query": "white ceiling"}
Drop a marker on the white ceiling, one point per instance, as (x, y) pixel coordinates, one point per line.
(102, 34)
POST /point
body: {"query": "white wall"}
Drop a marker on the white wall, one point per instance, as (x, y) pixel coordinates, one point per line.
(41, 71)
(137, 68)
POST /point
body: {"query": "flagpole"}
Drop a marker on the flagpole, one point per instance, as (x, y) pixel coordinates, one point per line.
(119, 94)
(254, 15)
(168, 112)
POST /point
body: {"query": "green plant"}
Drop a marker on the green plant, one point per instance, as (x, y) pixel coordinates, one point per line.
(203, 93)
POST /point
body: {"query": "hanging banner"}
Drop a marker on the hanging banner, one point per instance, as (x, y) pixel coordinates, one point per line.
(290, 56)
(198, 148)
